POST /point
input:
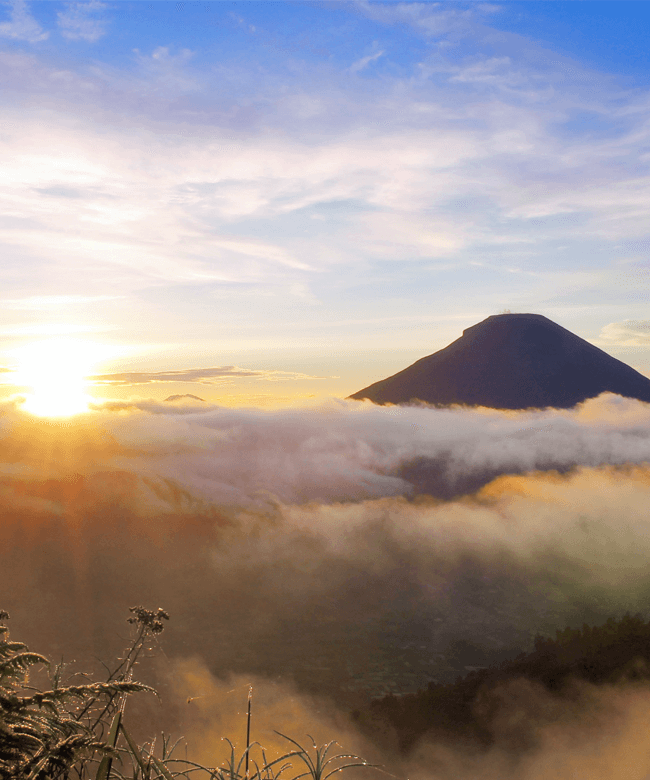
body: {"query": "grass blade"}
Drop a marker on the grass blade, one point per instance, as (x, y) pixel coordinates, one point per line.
(105, 765)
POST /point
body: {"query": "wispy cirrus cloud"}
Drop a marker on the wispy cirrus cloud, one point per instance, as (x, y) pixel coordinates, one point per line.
(50, 302)
(79, 21)
(202, 376)
(172, 173)
(21, 25)
(432, 19)
(365, 61)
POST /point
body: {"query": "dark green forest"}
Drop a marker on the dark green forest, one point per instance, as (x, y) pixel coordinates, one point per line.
(617, 652)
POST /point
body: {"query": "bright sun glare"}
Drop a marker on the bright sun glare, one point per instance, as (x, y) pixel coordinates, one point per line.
(55, 370)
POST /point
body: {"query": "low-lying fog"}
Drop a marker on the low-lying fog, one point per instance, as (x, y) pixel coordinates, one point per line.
(332, 554)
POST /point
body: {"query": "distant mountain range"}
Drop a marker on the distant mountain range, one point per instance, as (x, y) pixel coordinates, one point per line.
(511, 361)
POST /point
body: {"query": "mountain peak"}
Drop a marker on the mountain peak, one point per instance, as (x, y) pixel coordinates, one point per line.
(511, 361)
(183, 397)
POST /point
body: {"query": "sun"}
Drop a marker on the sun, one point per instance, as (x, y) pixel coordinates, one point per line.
(55, 371)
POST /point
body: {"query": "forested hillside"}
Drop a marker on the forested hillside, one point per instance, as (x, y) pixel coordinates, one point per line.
(617, 652)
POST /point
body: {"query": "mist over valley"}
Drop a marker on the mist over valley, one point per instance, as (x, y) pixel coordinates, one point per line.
(347, 551)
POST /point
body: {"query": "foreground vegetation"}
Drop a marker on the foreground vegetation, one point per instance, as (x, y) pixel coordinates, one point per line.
(614, 653)
(79, 731)
(76, 729)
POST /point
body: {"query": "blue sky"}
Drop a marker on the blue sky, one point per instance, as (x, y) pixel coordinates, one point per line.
(308, 196)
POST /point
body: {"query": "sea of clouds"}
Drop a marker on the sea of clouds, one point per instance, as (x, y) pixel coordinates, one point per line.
(293, 547)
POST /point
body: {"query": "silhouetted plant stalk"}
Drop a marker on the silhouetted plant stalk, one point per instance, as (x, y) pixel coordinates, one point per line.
(148, 624)
(248, 727)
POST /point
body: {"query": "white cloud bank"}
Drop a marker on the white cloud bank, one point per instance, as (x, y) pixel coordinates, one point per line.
(355, 450)
(629, 333)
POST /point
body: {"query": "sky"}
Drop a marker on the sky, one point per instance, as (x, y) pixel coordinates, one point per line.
(267, 203)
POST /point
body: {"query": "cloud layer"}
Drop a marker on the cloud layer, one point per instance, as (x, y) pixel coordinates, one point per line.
(291, 545)
(337, 475)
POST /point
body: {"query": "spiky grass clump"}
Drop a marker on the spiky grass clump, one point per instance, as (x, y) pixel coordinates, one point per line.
(252, 764)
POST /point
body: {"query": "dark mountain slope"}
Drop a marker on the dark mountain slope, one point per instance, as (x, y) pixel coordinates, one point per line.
(504, 704)
(512, 361)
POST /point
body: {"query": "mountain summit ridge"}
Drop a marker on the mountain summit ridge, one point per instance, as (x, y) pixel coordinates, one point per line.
(511, 361)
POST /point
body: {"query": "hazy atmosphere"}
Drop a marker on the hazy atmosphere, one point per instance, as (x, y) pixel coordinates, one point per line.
(219, 220)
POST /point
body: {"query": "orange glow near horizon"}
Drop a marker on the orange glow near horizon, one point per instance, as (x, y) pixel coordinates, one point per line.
(55, 371)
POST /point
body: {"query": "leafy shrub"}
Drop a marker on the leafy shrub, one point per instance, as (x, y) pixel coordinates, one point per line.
(74, 731)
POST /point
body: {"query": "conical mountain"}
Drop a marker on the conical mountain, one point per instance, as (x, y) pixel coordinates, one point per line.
(512, 361)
